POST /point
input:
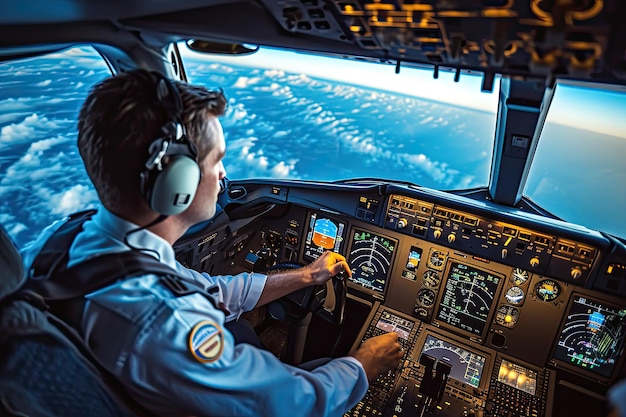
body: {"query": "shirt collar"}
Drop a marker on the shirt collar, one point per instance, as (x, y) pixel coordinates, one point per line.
(113, 226)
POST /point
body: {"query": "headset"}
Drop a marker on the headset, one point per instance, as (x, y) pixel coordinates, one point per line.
(172, 174)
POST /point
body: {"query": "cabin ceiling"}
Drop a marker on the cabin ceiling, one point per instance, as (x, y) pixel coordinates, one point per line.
(533, 39)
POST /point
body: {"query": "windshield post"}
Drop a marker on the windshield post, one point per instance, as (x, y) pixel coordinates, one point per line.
(518, 126)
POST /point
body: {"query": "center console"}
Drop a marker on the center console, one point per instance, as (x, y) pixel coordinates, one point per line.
(441, 375)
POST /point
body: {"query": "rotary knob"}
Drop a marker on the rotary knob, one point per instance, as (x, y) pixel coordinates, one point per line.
(575, 272)
(451, 237)
(402, 223)
(534, 262)
(437, 233)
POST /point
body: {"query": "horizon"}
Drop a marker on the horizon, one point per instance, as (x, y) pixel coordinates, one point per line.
(593, 107)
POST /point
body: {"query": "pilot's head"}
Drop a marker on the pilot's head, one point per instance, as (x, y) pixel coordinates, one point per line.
(120, 132)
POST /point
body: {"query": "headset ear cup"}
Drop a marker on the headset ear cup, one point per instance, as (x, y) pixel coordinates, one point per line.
(173, 189)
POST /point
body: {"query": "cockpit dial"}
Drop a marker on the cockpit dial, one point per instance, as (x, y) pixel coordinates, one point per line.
(514, 295)
(431, 279)
(436, 260)
(507, 316)
(519, 276)
(426, 297)
(547, 290)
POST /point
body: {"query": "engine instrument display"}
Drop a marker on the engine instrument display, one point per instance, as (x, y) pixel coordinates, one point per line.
(467, 298)
(323, 234)
(592, 337)
(467, 367)
(370, 259)
(517, 376)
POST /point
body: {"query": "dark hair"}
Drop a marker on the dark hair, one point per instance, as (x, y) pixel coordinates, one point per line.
(119, 120)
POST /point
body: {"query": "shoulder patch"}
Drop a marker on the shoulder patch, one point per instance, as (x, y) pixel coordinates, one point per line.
(206, 341)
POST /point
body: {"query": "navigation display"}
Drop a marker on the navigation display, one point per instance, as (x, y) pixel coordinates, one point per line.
(323, 234)
(467, 298)
(370, 259)
(467, 367)
(592, 337)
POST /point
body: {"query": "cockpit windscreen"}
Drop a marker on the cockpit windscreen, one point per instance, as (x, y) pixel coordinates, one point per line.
(467, 298)
(592, 337)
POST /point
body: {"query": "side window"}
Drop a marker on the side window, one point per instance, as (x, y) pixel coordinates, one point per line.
(42, 177)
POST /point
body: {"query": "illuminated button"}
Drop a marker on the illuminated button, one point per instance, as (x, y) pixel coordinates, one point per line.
(534, 262)
(575, 272)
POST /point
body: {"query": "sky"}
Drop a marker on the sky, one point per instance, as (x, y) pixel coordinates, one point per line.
(600, 109)
(31, 126)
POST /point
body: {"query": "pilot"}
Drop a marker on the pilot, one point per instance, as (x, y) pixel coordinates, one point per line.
(139, 135)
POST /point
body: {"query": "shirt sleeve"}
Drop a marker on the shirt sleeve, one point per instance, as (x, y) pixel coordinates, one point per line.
(183, 362)
(238, 293)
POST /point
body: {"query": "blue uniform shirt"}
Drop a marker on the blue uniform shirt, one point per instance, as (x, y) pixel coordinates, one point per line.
(174, 354)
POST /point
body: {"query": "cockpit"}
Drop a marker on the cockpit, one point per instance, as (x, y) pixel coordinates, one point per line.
(465, 157)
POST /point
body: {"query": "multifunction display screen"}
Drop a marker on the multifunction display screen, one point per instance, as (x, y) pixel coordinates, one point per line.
(389, 322)
(467, 367)
(517, 376)
(592, 337)
(467, 298)
(370, 259)
(323, 234)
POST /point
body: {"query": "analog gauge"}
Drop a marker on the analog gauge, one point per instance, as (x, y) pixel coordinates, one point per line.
(426, 297)
(431, 279)
(519, 276)
(514, 295)
(436, 259)
(547, 290)
(421, 311)
(507, 316)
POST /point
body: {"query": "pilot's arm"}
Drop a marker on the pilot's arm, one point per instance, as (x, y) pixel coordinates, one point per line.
(176, 357)
(317, 273)
(245, 291)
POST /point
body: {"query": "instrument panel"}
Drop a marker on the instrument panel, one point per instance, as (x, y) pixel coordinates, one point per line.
(519, 298)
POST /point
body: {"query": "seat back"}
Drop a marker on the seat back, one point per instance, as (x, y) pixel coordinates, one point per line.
(42, 373)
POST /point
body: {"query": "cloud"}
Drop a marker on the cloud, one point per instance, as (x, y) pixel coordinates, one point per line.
(246, 82)
(30, 127)
(13, 104)
(44, 83)
(248, 163)
(73, 199)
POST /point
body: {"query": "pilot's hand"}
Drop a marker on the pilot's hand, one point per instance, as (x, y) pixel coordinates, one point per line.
(379, 354)
(327, 266)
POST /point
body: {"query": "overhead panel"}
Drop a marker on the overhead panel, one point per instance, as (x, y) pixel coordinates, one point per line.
(544, 39)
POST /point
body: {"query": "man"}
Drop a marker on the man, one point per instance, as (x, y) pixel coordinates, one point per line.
(172, 352)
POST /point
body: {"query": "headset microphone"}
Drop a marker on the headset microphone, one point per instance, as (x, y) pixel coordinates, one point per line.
(172, 174)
